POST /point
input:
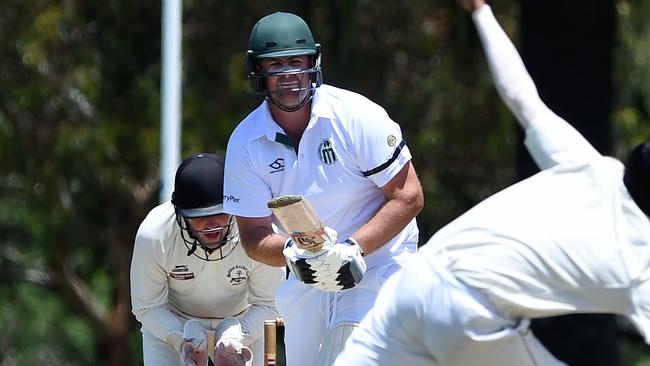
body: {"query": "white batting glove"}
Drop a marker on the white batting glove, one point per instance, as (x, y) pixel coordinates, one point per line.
(296, 260)
(336, 267)
(341, 266)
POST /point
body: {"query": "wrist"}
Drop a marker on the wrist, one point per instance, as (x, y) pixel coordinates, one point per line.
(353, 241)
(175, 339)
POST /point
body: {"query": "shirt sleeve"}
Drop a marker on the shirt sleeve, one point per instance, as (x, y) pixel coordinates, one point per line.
(264, 282)
(244, 189)
(149, 292)
(379, 146)
(549, 138)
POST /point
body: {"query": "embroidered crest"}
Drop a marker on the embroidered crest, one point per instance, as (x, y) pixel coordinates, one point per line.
(237, 274)
(391, 140)
(326, 152)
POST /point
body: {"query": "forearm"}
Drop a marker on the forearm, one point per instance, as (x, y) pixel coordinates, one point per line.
(511, 79)
(163, 324)
(404, 201)
(391, 218)
(260, 242)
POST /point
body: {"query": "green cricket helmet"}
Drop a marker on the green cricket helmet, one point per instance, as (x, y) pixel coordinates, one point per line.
(282, 35)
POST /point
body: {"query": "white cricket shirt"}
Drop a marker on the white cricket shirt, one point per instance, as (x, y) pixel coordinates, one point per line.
(349, 150)
(569, 239)
(168, 286)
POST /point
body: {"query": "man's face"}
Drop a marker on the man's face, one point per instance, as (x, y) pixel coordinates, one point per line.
(289, 89)
(210, 230)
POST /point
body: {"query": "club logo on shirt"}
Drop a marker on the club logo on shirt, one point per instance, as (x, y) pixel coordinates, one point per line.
(181, 272)
(277, 165)
(237, 274)
(391, 140)
(326, 152)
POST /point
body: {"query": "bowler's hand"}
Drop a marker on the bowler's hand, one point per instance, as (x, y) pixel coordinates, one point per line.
(471, 5)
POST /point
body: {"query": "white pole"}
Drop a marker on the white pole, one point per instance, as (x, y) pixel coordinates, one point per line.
(170, 130)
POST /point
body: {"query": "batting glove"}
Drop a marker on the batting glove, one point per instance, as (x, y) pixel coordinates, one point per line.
(297, 261)
(336, 267)
(341, 266)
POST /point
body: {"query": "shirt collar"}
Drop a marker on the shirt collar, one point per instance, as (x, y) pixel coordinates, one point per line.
(266, 125)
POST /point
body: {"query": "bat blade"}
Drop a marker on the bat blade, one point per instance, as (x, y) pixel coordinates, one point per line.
(300, 220)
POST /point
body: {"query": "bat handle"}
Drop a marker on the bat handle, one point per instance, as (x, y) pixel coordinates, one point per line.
(270, 343)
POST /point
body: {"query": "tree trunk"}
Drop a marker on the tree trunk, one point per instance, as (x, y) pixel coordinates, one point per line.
(567, 48)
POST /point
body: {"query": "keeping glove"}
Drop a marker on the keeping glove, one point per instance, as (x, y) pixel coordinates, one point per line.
(230, 350)
(194, 349)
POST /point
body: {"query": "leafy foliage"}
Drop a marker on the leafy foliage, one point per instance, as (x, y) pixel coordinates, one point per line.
(79, 135)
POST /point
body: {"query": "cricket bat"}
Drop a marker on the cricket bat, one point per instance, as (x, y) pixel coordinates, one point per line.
(270, 341)
(300, 221)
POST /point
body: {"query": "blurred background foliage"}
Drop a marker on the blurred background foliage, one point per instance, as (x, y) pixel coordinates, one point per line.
(79, 135)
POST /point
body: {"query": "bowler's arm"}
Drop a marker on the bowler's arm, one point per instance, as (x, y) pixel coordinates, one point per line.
(549, 138)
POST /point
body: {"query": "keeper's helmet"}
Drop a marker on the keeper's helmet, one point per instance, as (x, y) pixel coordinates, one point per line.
(282, 35)
(198, 193)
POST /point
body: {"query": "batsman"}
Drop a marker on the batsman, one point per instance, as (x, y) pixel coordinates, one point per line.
(347, 157)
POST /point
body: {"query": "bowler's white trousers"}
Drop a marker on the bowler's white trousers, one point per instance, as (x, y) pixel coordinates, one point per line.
(425, 316)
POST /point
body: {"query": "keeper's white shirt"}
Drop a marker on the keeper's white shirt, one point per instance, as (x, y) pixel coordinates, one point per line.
(168, 286)
(349, 150)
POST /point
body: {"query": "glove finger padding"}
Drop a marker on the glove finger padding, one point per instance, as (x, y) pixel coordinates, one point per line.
(341, 267)
(296, 260)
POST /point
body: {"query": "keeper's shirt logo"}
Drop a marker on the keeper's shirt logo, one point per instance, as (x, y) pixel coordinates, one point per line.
(326, 152)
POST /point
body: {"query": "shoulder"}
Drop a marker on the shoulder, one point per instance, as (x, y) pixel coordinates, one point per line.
(251, 127)
(158, 226)
(342, 98)
(353, 111)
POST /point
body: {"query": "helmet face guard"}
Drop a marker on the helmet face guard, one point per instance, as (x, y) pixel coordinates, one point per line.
(191, 238)
(260, 86)
(198, 192)
(281, 35)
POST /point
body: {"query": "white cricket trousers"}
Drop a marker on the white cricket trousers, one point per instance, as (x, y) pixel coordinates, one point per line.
(426, 317)
(309, 314)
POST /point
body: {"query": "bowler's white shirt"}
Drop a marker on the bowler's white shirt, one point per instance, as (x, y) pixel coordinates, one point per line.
(349, 150)
(568, 239)
(168, 286)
